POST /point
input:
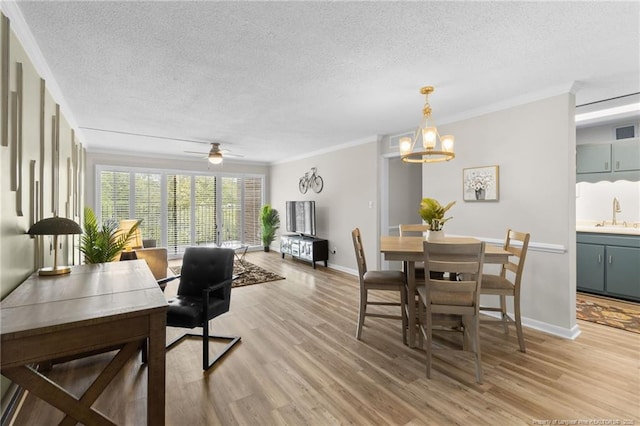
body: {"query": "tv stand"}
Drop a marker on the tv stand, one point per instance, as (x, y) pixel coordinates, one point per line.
(310, 249)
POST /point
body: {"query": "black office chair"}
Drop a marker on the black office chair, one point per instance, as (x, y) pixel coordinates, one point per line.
(204, 293)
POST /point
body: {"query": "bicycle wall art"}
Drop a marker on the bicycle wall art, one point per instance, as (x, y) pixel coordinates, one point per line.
(311, 180)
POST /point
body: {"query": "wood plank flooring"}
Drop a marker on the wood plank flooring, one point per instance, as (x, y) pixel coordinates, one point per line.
(299, 363)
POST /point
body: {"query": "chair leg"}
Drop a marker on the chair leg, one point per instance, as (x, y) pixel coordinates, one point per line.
(503, 314)
(429, 343)
(361, 313)
(518, 321)
(403, 313)
(472, 324)
(205, 336)
(421, 324)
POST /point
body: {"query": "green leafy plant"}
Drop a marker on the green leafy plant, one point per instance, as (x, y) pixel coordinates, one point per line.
(433, 212)
(270, 221)
(101, 243)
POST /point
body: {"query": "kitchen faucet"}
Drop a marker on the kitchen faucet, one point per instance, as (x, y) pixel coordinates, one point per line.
(616, 209)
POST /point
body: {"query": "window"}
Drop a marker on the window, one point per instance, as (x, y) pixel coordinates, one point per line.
(206, 225)
(114, 196)
(147, 204)
(183, 209)
(178, 212)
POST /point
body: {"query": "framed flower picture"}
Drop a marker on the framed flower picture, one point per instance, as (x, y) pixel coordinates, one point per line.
(480, 183)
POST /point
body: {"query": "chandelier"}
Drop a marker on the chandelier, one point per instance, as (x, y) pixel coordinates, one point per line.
(431, 139)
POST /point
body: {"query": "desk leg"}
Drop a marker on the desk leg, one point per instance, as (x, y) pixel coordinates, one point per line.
(156, 369)
(411, 302)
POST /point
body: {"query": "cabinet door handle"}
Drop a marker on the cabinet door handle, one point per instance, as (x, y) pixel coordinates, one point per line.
(617, 165)
(609, 260)
(606, 165)
(599, 258)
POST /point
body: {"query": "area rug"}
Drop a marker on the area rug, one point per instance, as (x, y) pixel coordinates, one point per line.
(246, 274)
(612, 316)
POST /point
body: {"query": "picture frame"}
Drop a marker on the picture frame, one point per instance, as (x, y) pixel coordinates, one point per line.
(481, 183)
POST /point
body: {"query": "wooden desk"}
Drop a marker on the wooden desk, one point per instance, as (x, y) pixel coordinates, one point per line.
(411, 250)
(95, 307)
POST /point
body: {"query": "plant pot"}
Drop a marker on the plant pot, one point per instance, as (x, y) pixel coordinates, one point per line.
(266, 248)
(435, 236)
(480, 193)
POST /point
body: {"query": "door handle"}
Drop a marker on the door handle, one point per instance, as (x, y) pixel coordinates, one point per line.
(610, 260)
(606, 165)
(617, 165)
(599, 258)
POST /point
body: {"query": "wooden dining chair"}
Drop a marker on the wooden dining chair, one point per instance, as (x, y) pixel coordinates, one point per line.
(414, 230)
(378, 280)
(452, 305)
(508, 283)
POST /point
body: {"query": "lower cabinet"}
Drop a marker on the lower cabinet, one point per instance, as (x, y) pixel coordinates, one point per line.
(609, 265)
(310, 249)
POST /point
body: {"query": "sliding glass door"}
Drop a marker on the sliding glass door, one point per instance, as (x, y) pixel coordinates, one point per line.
(183, 209)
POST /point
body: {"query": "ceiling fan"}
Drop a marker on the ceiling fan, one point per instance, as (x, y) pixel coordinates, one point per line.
(216, 155)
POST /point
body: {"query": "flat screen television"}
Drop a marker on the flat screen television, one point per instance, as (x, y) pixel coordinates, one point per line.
(301, 217)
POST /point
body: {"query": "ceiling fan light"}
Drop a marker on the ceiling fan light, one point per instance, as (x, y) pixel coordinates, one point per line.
(215, 157)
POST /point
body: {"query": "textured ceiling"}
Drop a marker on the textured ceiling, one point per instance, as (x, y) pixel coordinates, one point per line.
(275, 80)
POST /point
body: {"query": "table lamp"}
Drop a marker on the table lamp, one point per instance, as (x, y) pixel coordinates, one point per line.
(135, 241)
(55, 226)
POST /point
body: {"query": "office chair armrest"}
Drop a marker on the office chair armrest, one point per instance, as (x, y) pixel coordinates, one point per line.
(219, 290)
(163, 282)
(168, 280)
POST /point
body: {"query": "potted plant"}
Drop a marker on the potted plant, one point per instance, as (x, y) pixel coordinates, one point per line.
(432, 212)
(270, 221)
(102, 243)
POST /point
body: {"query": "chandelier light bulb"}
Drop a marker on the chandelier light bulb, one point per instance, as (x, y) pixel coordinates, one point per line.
(405, 145)
(429, 137)
(447, 143)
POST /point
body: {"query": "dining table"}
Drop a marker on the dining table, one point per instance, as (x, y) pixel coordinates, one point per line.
(411, 250)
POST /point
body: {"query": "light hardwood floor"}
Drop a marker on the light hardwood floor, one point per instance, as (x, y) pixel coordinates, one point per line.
(299, 363)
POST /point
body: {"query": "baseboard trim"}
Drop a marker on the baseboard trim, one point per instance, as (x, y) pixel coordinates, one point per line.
(566, 333)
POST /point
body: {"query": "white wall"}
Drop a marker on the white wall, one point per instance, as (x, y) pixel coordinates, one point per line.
(534, 146)
(349, 198)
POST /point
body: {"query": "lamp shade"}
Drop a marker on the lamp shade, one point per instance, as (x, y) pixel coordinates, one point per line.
(55, 226)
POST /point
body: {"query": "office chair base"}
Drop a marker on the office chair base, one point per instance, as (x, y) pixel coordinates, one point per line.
(205, 354)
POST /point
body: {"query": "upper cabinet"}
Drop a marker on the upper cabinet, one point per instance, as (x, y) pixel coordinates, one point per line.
(626, 155)
(619, 160)
(593, 158)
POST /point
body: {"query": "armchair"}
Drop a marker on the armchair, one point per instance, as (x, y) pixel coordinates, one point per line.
(204, 293)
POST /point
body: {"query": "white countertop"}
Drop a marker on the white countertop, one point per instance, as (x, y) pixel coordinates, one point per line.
(620, 229)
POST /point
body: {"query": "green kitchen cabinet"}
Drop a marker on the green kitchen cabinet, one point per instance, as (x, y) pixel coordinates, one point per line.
(590, 259)
(608, 264)
(626, 155)
(594, 158)
(623, 270)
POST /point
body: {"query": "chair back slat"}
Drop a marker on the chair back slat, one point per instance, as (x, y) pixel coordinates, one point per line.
(359, 249)
(466, 259)
(519, 250)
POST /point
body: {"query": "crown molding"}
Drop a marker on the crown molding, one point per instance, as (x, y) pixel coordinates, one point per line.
(363, 141)
(21, 30)
(561, 89)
